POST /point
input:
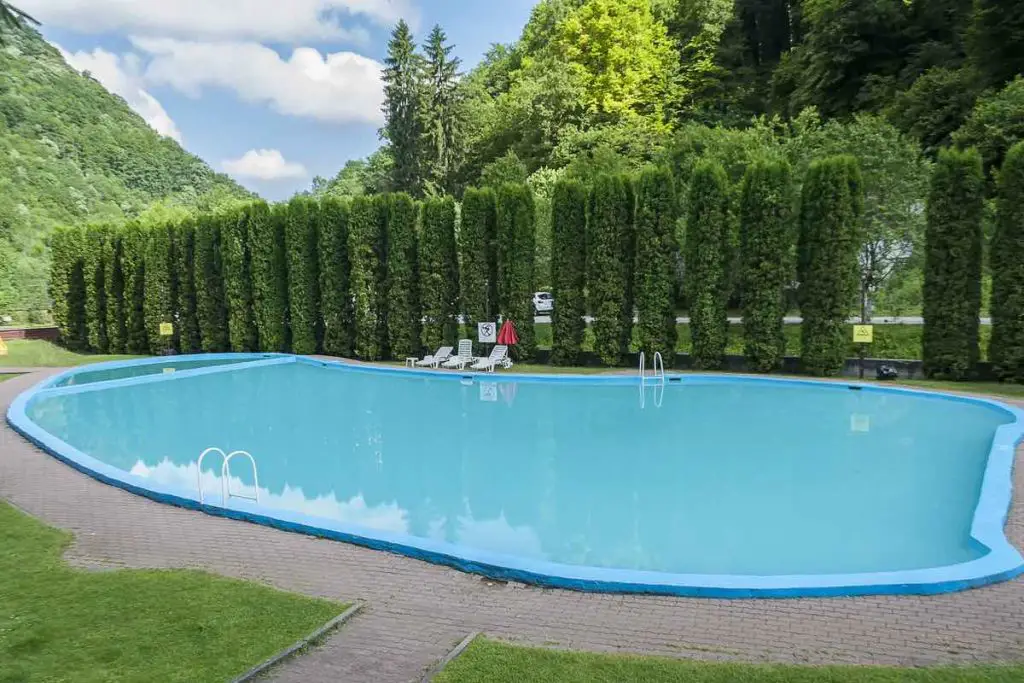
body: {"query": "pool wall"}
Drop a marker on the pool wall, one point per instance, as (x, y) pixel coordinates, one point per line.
(1001, 562)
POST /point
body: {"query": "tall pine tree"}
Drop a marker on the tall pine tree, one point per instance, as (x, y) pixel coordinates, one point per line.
(403, 101)
(441, 114)
(996, 40)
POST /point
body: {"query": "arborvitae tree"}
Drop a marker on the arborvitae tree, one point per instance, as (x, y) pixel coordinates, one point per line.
(137, 340)
(829, 216)
(439, 264)
(707, 254)
(952, 270)
(211, 304)
(303, 278)
(610, 219)
(235, 244)
(270, 279)
(568, 269)
(441, 113)
(655, 271)
(477, 244)
(113, 287)
(335, 294)
(1007, 347)
(189, 340)
(766, 229)
(628, 261)
(403, 104)
(67, 286)
(995, 40)
(161, 283)
(95, 286)
(404, 312)
(367, 248)
(516, 253)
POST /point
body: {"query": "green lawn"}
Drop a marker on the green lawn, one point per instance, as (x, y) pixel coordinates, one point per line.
(994, 388)
(63, 624)
(33, 353)
(486, 661)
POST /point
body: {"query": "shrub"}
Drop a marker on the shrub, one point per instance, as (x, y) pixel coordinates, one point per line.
(187, 317)
(211, 304)
(270, 280)
(303, 280)
(404, 314)
(516, 254)
(1007, 348)
(95, 243)
(367, 248)
(439, 272)
(829, 213)
(477, 245)
(656, 251)
(628, 260)
(236, 252)
(766, 228)
(335, 294)
(609, 216)
(67, 286)
(568, 268)
(161, 287)
(707, 254)
(113, 288)
(137, 340)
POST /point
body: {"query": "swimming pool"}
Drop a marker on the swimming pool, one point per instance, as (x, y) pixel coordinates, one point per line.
(707, 485)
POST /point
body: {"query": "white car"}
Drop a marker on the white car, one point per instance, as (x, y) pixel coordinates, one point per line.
(543, 303)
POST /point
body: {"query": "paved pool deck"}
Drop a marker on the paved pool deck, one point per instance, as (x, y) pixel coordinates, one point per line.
(416, 612)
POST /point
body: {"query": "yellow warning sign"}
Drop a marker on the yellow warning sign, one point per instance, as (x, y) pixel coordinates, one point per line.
(166, 329)
(3, 347)
(863, 334)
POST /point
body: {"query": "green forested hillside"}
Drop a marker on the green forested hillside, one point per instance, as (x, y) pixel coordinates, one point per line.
(70, 153)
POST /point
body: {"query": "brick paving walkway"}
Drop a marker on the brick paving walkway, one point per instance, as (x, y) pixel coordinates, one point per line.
(415, 612)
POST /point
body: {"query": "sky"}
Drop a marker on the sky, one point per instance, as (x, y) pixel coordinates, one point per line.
(271, 92)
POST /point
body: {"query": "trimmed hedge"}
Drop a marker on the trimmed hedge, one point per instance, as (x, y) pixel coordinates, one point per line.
(95, 286)
(404, 315)
(707, 254)
(610, 217)
(134, 242)
(628, 259)
(766, 229)
(113, 290)
(516, 235)
(270, 280)
(161, 287)
(439, 274)
(1007, 350)
(568, 270)
(478, 249)
(828, 230)
(367, 248)
(656, 251)
(235, 244)
(187, 315)
(67, 286)
(300, 240)
(952, 271)
(335, 294)
(211, 305)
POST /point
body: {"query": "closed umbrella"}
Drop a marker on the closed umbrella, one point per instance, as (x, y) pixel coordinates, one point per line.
(507, 334)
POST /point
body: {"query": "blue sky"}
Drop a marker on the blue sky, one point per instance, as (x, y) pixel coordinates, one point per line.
(271, 91)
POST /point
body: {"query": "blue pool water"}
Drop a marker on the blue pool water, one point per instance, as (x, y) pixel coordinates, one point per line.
(713, 477)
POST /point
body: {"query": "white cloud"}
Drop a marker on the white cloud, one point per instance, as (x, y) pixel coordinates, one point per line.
(121, 75)
(264, 164)
(261, 20)
(340, 87)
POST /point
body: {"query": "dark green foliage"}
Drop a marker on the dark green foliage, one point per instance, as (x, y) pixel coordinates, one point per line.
(335, 295)
(568, 268)
(404, 313)
(706, 258)
(270, 279)
(829, 210)
(211, 302)
(629, 260)
(113, 289)
(996, 40)
(952, 270)
(439, 273)
(442, 114)
(161, 284)
(187, 327)
(236, 251)
(478, 247)
(935, 106)
(403, 104)
(766, 229)
(656, 252)
(609, 223)
(367, 248)
(1007, 349)
(516, 254)
(137, 339)
(303, 279)
(504, 170)
(68, 287)
(995, 124)
(95, 243)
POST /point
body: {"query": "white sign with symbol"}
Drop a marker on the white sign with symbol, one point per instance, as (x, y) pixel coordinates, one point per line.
(489, 391)
(487, 333)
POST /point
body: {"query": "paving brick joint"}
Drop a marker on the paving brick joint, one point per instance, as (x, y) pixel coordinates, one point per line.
(416, 612)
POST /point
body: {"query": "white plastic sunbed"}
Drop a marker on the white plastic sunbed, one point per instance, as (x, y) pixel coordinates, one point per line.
(438, 357)
(499, 356)
(464, 357)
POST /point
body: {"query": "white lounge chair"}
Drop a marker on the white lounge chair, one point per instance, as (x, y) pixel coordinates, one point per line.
(464, 357)
(499, 356)
(438, 357)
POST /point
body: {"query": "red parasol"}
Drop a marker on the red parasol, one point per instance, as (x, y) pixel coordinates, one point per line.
(507, 334)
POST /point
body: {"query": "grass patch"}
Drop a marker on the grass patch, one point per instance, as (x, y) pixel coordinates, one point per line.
(991, 388)
(486, 661)
(36, 353)
(58, 623)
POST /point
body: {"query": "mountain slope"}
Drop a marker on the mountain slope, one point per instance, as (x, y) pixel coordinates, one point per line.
(71, 152)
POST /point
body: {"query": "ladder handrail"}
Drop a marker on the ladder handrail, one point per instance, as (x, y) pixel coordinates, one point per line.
(225, 475)
(199, 468)
(659, 362)
(642, 362)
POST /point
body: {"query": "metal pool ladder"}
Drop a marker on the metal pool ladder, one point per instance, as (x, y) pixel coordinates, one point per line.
(659, 378)
(225, 475)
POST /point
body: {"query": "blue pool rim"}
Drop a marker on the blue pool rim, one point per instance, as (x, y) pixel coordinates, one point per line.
(1001, 563)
